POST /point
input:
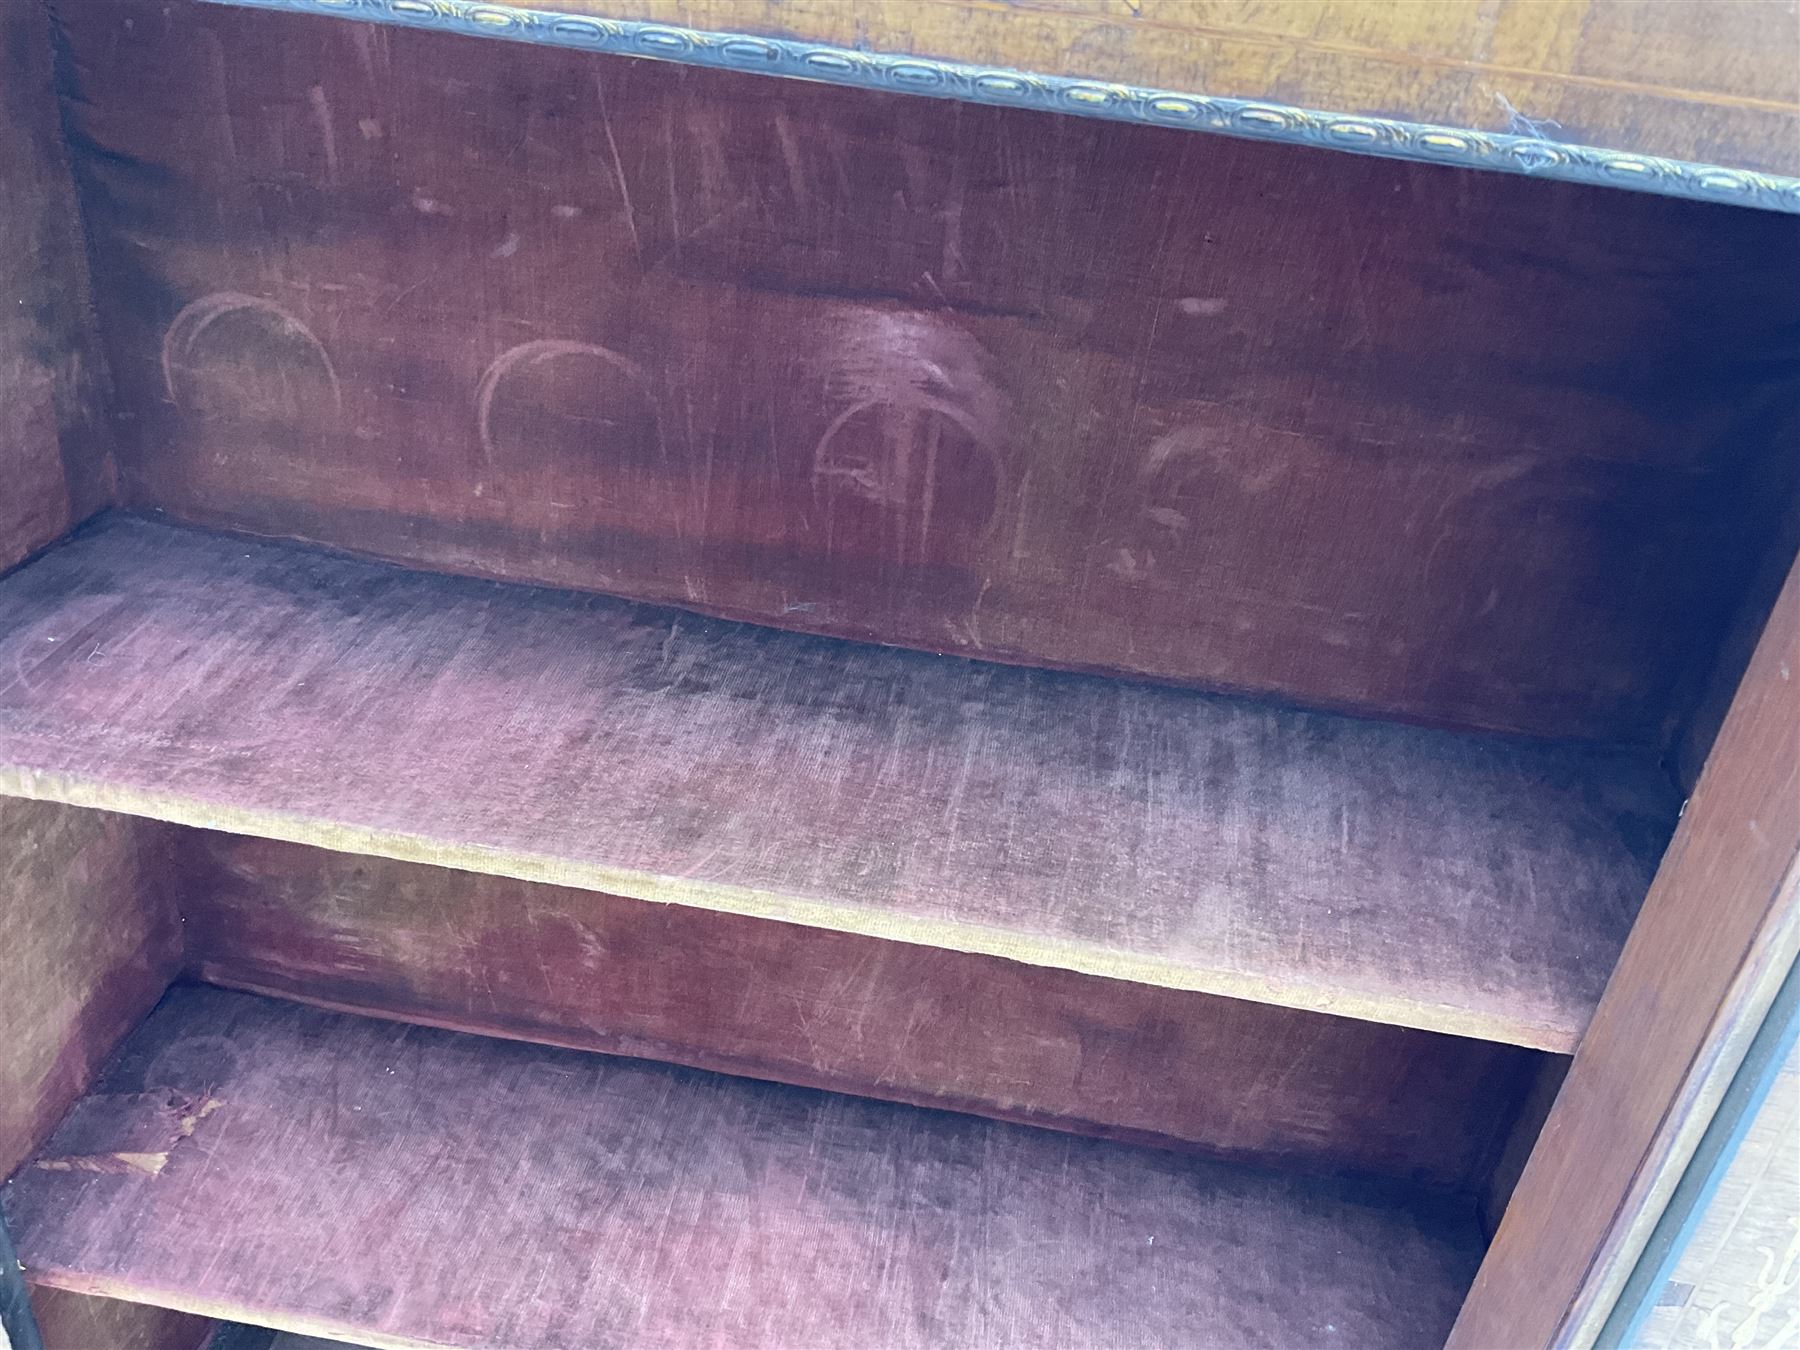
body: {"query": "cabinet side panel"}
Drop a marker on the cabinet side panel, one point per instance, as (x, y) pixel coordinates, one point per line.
(54, 466)
(89, 939)
(1717, 934)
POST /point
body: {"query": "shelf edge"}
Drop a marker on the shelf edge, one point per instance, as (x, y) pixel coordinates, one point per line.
(980, 939)
(1252, 119)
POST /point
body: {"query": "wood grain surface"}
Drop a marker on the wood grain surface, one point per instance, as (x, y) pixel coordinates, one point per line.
(834, 1010)
(55, 468)
(1708, 80)
(1718, 933)
(1459, 448)
(1477, 885)
(89, 939)
(330, 1175)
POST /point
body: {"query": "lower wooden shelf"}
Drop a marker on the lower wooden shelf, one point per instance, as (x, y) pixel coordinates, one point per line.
(391, 1185)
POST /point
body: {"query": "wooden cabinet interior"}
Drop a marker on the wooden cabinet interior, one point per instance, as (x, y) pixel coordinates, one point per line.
(1080, 713)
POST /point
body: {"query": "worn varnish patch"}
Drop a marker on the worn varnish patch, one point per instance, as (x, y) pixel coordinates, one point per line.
(1477, 885)
(441, 1189)
(1459, 448)
(901, 1021)
(134, 1132)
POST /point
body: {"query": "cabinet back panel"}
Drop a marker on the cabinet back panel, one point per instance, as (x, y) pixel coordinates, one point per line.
(853, 1014)
(1459, 448)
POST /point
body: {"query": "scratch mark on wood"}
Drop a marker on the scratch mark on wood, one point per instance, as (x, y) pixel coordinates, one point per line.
(321, 106)
(618, 165)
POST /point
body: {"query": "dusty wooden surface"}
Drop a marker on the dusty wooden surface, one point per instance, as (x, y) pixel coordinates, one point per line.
(459, 1190)
(89, 939)
(834, 1010)
(1460, 448)
(1472, 884)
(54, 469)
(1717, 82)
(1719, 930)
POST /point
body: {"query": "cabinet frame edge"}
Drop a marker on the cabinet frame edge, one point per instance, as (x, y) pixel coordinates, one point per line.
(1717, 936)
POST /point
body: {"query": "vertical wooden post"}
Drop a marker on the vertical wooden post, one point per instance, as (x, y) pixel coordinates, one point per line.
(1719, 930)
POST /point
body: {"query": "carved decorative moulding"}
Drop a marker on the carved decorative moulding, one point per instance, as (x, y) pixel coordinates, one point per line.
(1253, 119)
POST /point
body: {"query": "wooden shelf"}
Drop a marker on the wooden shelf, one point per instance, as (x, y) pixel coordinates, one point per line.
(397, 1186)
(1463, 883)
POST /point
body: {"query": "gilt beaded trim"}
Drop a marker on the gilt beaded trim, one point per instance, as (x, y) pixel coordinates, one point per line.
(1253, 119)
